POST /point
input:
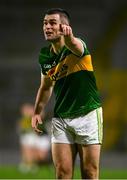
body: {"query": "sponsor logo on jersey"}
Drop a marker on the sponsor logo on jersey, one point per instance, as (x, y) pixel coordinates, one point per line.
(56, 75)
(49, 66)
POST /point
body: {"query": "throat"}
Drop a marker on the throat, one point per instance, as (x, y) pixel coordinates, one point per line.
(57, 47)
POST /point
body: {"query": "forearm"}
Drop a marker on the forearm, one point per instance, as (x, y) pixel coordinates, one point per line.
(74, 44)
(42, 99)
(71, 42)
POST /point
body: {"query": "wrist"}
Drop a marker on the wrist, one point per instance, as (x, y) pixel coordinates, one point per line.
(69, 40)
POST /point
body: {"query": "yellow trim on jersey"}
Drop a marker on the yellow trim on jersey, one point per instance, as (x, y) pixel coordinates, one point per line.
(77, 64)
(69, 65)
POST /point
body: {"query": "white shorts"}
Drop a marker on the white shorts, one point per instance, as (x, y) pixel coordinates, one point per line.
(84, 130)
(36, 141)
(43, 142)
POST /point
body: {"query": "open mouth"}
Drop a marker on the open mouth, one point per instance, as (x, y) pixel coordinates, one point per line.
(48, 33)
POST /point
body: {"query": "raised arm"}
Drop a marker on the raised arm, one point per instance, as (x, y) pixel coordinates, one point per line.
(73, 43)
(43, 95)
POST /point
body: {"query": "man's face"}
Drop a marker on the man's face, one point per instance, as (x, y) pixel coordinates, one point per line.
(51, 27)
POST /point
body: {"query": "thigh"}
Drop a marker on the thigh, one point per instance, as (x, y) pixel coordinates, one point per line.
(60, 132)
(89, 157)
(64, 156)
(90, 129)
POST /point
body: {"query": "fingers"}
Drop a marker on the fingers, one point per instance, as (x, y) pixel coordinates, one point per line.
(35, 121)
(38, 131)
(65, 30)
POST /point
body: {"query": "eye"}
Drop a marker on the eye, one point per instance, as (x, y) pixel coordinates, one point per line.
(45, 23)
(53, 23)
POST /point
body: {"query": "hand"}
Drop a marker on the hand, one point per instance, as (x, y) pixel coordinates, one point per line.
(66, 30)
(36, 119)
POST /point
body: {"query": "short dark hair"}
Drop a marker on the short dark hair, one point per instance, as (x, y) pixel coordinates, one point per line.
(63, 13)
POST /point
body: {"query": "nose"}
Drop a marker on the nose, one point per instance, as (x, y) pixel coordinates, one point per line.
(47, 26)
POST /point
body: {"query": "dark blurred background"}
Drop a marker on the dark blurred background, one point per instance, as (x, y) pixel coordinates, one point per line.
(103, 25)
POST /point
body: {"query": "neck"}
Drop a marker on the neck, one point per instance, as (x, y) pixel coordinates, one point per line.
(58, 45)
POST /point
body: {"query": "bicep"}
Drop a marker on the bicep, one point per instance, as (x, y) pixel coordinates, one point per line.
(78, 47)
(81, 46)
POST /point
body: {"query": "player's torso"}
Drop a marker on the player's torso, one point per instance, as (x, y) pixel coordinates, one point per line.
(75, 87)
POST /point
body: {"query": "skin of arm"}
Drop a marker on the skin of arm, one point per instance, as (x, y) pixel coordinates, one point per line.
(73, 43)
(43, 95)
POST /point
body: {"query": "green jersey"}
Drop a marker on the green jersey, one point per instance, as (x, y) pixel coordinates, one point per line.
(75, 87)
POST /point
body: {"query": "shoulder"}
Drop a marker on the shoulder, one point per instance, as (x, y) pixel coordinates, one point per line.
(45, 59)
(45, 49)
(44, 54)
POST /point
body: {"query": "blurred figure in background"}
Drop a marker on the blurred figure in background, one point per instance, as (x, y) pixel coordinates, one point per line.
(35, 148)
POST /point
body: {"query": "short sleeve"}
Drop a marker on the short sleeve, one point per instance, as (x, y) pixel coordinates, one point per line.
(43, 57)
(86, 51)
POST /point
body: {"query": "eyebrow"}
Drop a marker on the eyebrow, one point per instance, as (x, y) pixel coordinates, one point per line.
(50, 20)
